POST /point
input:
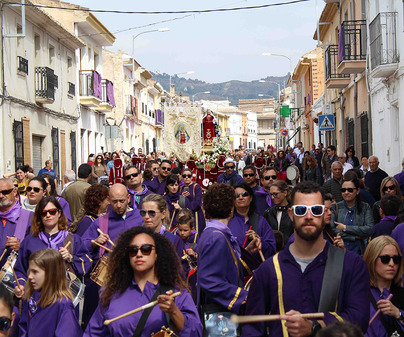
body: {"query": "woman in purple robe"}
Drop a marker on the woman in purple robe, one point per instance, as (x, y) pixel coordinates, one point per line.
(384, 260)
(144, 267)
(48, 230)
(193, 192)
(175, 201)
(47, 309)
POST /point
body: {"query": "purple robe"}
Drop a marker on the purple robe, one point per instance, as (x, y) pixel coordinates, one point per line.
(116, 225)
(261, 201)
(239, 227)
(66, 209)
(301, 291)
(84, 224)
(400, 179)
(170, 199)
(133, 298)
(220, 279)
(81, 260)
(134, 197)
(157, 186)
(232, 180)
(377, 329)
(195, 198)
(398, 235)
(58, 319)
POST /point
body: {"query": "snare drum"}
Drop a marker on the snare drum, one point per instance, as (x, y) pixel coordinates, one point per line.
(6, 272)
(100, 271)
(164, 332)
(292, 173)
(76, 287)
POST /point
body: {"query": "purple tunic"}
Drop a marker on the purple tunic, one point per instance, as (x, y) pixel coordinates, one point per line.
(57, 319)
(219, 267)
(156, 186)
(398, 235)
(239, 227)
(81, 260)
(232, 180)
(173, 198)
(376, 329)
(133, 298)
(84, 224)
(116, 225)
(134, 197)
(301, 291)
(196, 202)
(261, 201)
(66, 209)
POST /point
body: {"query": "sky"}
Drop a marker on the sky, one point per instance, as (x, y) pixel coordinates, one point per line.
(219, 46)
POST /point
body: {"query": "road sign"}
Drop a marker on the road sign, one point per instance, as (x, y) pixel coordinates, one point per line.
(284, 132)
(326, 122)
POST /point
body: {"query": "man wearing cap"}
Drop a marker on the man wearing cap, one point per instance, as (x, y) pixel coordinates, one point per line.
(230, 176)
(74, 194)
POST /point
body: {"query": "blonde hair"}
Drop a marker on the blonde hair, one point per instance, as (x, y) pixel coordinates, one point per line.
(161, 205)
(395, 183)
(55, 285)
(373, 251)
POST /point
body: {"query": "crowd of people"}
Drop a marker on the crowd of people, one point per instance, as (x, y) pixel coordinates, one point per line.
(84, 254)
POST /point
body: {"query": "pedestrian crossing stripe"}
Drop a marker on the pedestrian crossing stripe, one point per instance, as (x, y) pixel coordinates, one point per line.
(326, 122)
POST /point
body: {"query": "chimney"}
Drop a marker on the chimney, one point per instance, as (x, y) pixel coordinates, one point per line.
(172, 90)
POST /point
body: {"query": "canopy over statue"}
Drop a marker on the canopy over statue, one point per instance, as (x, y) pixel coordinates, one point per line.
(182, 130)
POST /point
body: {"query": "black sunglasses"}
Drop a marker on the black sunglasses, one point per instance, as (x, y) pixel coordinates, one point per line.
(134, 175)
(7, 192)
(52, 211)
(151, 213)
(229, 167)
(248, 175)
(349, 189)
(146, 249)
(385, 259)
(36, 189)
(187, 175)
(243, 194)
(274, 177)
(166, 168)
(155, 168)
(5, 323)
(390, 188)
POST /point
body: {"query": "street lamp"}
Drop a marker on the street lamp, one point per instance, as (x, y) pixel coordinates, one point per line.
(202, 92)
(185, 72)
(281, 55)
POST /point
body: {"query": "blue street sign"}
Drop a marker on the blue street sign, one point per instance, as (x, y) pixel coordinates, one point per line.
(326, 122)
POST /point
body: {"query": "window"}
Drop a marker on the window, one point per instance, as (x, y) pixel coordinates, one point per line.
(18, 143)
(51, 56)
(37, 47)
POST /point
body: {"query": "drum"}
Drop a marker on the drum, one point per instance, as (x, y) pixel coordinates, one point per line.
(76, 287)
(292, 173)
(100, 271)
(164, 332)
(6, 272)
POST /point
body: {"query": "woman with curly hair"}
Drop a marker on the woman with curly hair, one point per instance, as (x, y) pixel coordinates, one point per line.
(49, 230)
(144, 267)
(95, 204)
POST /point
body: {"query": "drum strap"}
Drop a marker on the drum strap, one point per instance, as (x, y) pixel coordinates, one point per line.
(22, 224)
(146, 313)
(103, 223)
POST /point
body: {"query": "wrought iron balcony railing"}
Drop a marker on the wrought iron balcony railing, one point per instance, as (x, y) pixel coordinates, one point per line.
(90, 83)
(352, 41)
(331, 63)
(44, 84)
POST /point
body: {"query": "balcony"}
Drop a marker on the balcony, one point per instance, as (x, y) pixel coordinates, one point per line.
(108, 100)
(22, 66)
(352, 47)
(383, 44)
(71, 89)
(44, 85)
(90, 88)
(334, 80)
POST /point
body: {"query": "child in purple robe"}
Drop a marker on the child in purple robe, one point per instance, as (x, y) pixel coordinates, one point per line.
(47, 309)
(144, 267)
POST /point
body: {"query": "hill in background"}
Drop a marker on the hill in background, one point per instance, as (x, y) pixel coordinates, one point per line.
(231, 90)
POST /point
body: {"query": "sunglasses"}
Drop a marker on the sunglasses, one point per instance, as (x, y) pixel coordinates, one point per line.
(385, 259)
(248, 175)
(5, 323)
(274, 194)
(35, 189)
(243, 194)
(51, 211)
(146, 249)
(7, 192)
(274, 177)
(155, 168)
(349, 189)
(301, 210)
(134, 175)
(166, 168)
(385, 188)
(151, 213)
(229, 167)
(187, 175)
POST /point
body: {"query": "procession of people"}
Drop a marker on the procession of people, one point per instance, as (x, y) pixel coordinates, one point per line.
(282, 242)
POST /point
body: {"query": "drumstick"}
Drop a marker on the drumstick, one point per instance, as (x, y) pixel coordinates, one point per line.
(378, 311)
(103, 247)
(1, 257)
(268, 318)
(67, 245)
(246, 238)
(109, 240)
(143, 307)
(262, 255)
(15, 277)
